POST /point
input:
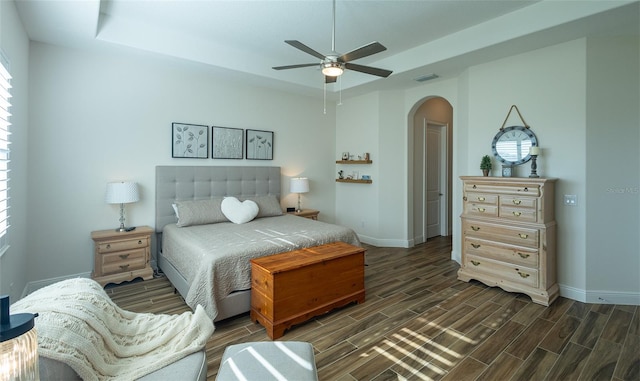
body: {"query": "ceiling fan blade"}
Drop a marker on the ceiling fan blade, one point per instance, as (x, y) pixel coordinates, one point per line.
(299, 45)
(294, 66)
(363, 51)
(368, 69)
(328, 79)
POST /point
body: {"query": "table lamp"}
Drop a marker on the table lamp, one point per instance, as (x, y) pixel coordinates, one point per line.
(122, 193)
(18, 344)
(299, 185)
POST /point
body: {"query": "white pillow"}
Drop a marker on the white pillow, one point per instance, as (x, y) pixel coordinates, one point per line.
(239, 212)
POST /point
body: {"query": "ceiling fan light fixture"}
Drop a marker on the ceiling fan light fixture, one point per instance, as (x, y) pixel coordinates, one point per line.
(332, 69)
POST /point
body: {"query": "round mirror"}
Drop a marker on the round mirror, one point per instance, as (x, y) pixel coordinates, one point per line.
(511, 145)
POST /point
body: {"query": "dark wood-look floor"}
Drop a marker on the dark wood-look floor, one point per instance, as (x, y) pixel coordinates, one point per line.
(420, 323)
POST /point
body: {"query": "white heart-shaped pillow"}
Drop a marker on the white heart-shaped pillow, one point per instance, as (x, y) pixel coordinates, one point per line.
(239, 212)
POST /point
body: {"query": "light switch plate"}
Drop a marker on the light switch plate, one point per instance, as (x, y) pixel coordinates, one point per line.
(570, 199)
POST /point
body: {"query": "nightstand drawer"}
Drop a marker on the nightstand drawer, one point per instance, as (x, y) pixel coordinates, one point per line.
(123, 261)
(120, 245)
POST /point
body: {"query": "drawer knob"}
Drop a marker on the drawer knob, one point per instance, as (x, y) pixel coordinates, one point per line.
(474, 186)
(124, 267)
(523, 275)
(517, 202)
(475, 245)
(481, 210)
(523, 236)
(139, 242)
(108, 246)
(475, 228)
(124, 256)
(475, 263)
(517, 214)
(524, 255)
(464, 198)
(481, 198)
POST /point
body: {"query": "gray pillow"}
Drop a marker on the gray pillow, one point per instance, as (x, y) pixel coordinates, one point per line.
(268, 206)
(199, 212)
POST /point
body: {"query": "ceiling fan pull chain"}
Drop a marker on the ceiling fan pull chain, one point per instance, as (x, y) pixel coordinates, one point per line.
(325, 97)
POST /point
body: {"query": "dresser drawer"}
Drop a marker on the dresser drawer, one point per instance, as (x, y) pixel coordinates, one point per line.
(485, 210)
(505, 253)
(124, 261)
(520, 202)
(501, 233)
(520, 189)
(124, 244)
(482, 198)
(503, 271)
(518, 214)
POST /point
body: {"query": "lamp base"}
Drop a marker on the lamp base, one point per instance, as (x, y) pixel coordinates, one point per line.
(122, 229)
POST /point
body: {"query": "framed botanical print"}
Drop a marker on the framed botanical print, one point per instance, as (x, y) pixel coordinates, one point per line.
(189, 141)
(259, 145)
(226, 143)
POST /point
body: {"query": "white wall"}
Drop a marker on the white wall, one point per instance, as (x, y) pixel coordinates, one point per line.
(15, 43)
(550, 88)
(612, 195)
(99, 117)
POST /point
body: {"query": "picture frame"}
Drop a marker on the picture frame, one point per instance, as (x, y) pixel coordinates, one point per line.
(226, 143)
(259, 145)
(189, 141)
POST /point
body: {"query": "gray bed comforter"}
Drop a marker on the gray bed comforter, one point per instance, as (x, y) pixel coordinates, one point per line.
(214, 259)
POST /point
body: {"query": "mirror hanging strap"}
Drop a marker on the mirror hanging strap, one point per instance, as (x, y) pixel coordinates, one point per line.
(509, 113)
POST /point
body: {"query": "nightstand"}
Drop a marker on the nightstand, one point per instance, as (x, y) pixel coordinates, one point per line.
(122, 256)
(307, 213)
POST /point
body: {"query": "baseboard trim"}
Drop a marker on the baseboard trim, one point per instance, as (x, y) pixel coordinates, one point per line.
(384, 242)
(600, 296)
(36, 285)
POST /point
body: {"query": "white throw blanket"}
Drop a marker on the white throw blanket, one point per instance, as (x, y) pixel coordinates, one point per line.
(79, 325)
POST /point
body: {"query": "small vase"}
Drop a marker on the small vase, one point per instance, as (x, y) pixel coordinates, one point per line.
(485, 172)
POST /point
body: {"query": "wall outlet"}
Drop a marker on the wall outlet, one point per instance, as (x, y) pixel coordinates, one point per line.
(570, 199)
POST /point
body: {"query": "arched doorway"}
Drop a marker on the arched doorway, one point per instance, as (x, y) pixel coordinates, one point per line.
(430, 169)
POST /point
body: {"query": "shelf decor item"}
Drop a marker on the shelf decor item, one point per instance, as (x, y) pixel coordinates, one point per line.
(122, 193)
(299, 185)
(485, 165)
(189, 141)
(534, 152)
(18, 344)
(226, 143)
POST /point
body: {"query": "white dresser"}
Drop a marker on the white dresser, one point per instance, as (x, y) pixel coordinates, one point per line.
(509, 235)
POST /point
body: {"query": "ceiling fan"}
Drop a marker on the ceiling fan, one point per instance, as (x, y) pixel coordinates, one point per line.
(334, 64)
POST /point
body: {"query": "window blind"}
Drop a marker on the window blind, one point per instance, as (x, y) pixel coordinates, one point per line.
(5, 105)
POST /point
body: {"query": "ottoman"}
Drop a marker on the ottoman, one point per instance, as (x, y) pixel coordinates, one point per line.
(262, 361)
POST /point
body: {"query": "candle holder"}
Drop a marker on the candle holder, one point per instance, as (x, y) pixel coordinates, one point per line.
(534, 152)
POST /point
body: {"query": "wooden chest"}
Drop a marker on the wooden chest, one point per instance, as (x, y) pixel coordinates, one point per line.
(290, 288)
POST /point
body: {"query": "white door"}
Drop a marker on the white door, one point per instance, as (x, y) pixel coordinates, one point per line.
(433, 175)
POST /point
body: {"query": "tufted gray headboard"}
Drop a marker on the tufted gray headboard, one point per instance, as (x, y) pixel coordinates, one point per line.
(203, 182)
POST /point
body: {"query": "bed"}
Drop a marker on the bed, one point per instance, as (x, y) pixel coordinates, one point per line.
(208, 263)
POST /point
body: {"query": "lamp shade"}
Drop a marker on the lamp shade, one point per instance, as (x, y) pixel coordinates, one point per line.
(122, 193)
(534, 151)
(299, 185)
